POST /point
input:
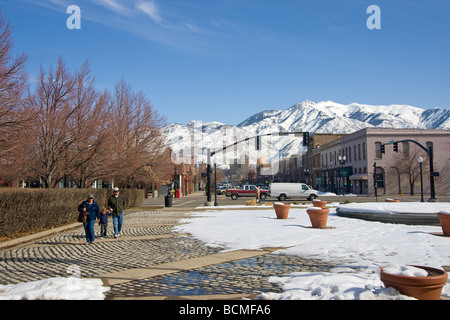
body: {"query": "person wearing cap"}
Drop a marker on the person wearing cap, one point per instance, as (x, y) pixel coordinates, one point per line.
(116, 205)
(90, 207)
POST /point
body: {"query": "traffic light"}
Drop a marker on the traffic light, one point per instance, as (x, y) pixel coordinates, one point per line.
(305, 139)
(395, 146)
(383, 149)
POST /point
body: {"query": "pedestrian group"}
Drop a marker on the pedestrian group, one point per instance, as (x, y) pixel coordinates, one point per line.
(115, 207)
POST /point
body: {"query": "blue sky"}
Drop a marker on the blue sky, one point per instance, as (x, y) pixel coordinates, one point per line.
(225, 60)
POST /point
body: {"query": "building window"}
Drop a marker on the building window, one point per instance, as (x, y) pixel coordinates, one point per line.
(378, 153)
(349, 154)
(364, 150)
(359, 151)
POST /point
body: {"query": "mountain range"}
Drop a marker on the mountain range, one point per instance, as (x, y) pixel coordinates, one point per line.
(314, 117)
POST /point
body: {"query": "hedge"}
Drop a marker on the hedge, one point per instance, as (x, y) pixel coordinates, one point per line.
(25, 211)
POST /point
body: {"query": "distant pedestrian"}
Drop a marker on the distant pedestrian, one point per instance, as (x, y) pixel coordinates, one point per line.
(104, 222)
(116, 205)
(93, 214)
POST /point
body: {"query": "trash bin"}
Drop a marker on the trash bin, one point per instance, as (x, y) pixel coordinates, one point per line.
(168, 201)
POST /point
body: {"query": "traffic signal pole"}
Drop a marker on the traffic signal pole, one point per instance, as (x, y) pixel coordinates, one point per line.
(297, 133)
(433, 174)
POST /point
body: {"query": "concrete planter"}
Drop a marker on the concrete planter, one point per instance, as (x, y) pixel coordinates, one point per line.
(421, 288)
(318, 217)
(282, 210)
(444, 218)
(319, 203)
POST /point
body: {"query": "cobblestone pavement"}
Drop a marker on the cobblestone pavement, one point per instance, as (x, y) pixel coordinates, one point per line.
(147, 240)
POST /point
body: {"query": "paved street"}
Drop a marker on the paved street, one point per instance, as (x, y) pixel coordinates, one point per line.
(150, 260)
(198, 199)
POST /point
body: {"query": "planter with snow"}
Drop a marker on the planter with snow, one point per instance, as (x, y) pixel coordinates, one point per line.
(391, 200)
(281, 210)
(319, 203)
(444, 218)
(318, 217)
(422, 283)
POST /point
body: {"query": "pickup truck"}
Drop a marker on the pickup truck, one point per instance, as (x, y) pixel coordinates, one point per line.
(246, 191)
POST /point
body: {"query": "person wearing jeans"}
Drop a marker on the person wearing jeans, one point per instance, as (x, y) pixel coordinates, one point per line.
(116, 205)
(92, 212)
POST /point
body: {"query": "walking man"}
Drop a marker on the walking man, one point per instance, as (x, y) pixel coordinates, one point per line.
(116, 205)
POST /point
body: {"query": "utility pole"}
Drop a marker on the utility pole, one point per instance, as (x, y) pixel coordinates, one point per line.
(375, 181)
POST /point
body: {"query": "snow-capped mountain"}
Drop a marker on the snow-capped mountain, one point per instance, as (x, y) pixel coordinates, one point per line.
(321, 117)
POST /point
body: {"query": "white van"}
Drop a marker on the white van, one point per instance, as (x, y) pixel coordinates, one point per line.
(284, 191)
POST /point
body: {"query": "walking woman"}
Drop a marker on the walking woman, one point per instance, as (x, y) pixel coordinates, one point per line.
(92, 212)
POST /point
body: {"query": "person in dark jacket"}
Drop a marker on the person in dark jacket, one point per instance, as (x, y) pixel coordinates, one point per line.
(116, 205)
(104, 222)
(91, 209)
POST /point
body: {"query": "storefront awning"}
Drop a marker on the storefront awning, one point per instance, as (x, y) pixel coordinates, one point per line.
(359, 176)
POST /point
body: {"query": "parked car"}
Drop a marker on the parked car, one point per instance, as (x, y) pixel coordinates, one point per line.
(221, 190)
(246, 191)
(284, 191)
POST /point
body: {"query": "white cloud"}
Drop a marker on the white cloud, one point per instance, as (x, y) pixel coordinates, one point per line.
(112, 5)
(151, 9)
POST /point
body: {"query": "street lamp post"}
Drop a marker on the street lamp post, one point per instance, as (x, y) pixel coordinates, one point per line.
(433, 174)
(421, 179)
(342, 160)
(306, 172)
(215, 185)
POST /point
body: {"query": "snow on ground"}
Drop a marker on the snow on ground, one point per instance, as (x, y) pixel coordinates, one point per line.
(70, 288)
(397, 207)
(360, 247)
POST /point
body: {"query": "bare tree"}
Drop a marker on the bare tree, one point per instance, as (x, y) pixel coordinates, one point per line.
(87, 158)
(66, 130)
(13, 115)
(140, 149)
(53, 131)
(408, 165)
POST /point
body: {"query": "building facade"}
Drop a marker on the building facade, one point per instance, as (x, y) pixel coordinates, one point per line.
(348, 163)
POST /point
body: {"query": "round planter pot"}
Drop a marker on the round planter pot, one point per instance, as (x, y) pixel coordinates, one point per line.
(282, 210)
(318, 217)
(421, 288)
(445, 223)
(319, 204)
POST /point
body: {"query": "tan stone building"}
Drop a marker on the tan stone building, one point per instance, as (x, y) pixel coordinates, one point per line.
(347, 163)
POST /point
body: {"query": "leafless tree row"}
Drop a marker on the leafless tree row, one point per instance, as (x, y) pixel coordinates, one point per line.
(66, 130)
